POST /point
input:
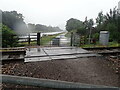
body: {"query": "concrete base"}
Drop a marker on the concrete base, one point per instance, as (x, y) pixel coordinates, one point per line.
(56, 53)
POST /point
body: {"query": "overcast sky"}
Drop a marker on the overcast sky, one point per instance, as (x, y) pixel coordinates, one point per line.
(57, 12)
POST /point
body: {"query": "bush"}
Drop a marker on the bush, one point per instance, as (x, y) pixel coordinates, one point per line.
(95, 36)
(9, 39)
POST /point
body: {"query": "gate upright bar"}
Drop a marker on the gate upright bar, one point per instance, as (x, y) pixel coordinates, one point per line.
(71, 42)
(29, 39)
(38, 38)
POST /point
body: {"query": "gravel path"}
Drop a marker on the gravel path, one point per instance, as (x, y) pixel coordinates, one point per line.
(94, 70)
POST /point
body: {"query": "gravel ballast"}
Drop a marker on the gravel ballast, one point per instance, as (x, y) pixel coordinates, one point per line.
(93, 70)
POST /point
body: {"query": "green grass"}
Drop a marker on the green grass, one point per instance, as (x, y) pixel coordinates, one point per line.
(44, 40)
(114, 44)
(111, 44)
(26, 43)
(47, 39)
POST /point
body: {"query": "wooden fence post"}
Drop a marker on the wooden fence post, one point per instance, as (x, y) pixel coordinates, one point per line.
(71, 42)
(38, 38)
(29, 39)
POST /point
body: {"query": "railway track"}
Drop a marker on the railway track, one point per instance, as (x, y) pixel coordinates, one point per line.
(101, 48)
(105, 50)
(12, 54)
(112, 54)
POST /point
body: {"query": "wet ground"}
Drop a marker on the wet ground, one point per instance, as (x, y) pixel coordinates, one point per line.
(55, 53)
(93, 70)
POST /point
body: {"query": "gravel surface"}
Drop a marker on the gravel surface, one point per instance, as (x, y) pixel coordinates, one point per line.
(113, 58)
(92, 70)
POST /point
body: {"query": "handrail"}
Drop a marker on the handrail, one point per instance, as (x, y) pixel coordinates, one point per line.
(47, 83)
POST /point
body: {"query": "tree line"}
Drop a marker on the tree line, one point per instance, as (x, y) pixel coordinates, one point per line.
(42, 28)
(13, 18)
(108, 22)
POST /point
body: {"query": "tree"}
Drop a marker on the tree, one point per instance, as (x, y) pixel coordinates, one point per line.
(13, 19)
(44, 28)
(118, 29)
(114, 31)
(111, 16)
(111, 23)
(73, 24)
(8, 37)
(82, 31)
(100, 18)
(88, 25)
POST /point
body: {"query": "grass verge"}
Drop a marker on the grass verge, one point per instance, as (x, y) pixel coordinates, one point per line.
(111, 44)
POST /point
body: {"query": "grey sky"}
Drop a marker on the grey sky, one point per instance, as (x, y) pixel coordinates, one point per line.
(57, 12)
